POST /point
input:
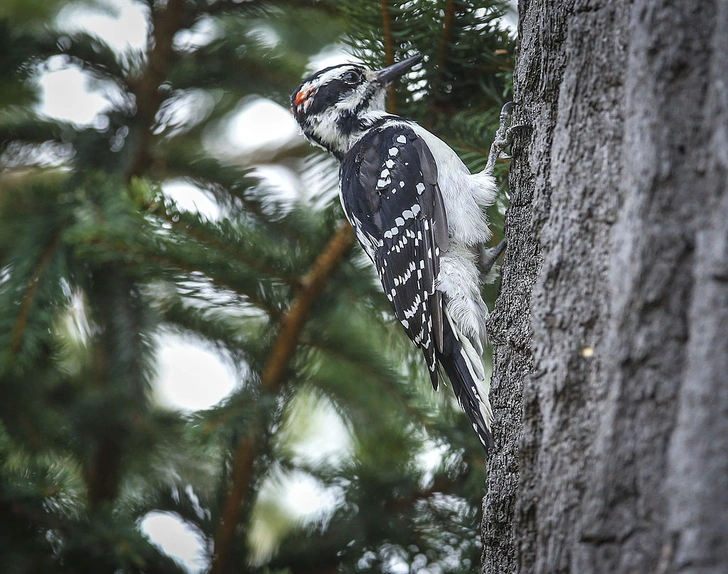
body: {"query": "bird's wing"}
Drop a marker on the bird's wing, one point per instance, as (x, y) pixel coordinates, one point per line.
(390, 195)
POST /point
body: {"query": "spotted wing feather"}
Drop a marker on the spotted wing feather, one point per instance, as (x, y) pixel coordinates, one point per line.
(390, 195)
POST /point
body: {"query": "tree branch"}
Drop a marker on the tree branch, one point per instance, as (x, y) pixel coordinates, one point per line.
(272, 380)
(166, 22)
(117, 371)
(223, 6)
(27, 302)
(171, 263)
(389, 52)
(445, 40)
(103, 470)
(199, 236)
(443, 49)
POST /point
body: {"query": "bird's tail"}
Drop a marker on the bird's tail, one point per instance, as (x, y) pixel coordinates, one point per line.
(464, 367)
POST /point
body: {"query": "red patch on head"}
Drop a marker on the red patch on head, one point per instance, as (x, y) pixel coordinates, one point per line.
(301, 96)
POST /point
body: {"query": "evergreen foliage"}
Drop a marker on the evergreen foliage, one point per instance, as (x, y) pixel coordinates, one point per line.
(96, 261)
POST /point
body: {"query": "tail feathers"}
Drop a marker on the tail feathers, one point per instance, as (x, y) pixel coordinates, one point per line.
(464, 368)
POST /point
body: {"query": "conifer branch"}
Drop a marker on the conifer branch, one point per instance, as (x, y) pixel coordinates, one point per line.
(293, 322)
(103, 472)
(168, 262)
(397, 397)
(272, 380)
(443, 50)
(103, 468)
(223, 6)
(444, 46)
(388, 52)
(22, 322)
(199, 236)
(443, 485)
(166, 22)
(31, 516)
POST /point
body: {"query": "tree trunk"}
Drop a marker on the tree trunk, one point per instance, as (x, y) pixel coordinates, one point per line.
(610, 336)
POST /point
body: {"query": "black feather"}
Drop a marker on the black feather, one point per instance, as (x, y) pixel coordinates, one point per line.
(391, 197)
(455, 364)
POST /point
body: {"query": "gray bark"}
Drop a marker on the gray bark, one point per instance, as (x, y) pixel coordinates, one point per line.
(610, 382)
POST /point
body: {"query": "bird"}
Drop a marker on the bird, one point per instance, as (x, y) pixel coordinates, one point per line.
(418, 213)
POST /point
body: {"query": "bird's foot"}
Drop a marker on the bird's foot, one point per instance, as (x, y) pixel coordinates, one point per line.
(503, 136)
(488, 257)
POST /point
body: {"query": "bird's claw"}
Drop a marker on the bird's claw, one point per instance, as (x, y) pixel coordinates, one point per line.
(503, 136)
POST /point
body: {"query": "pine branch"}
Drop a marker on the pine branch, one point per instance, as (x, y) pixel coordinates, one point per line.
(27, 302)
(403, 397)
(31, 516)
(176, 263)
(198, 235)
(103, 473)
(272, 380)
(444, 484)
(445, 38)
(389, 53)
(91, 55)
(293, 322)
(118, 376)
(166, 22)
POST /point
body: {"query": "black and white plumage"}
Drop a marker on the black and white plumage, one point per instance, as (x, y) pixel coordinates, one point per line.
(418, 213)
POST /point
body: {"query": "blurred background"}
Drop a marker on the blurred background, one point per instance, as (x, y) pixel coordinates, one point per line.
(198, 369)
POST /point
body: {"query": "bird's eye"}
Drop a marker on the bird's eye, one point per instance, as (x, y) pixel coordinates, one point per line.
(351, 78)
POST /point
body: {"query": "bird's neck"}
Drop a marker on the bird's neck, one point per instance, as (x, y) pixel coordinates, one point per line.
(340, 135)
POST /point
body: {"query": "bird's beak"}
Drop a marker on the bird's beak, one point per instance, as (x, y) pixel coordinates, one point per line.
(391, 73)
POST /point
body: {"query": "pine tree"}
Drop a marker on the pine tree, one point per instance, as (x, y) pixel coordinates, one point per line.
(96, 260)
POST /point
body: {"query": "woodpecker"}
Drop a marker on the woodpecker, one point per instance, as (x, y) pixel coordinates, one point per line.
(418, 213)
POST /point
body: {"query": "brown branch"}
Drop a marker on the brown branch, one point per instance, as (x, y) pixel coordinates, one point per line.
(102, 469)
(445, 39)
(389, 52)
(293, 322)
(221, 7)
(27, 303)
(166, 22)
(443, 49)
(272, 380)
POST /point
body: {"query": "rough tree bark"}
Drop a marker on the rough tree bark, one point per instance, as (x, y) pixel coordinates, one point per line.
(611, 334)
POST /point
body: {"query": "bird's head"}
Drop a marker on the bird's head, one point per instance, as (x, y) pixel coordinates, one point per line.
(337, 104)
